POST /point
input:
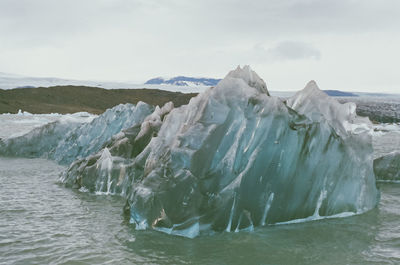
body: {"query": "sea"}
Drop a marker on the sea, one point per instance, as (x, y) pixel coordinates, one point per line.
(42, 222)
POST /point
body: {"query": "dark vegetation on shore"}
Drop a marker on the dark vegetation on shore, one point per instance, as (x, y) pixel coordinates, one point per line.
(70, 99)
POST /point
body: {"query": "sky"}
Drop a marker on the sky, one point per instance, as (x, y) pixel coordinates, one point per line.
(351, 45)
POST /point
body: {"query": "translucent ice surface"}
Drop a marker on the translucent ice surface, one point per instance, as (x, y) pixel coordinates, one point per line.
(120, 152)
(89, 138)
(318, 106)
(235, 158)
(14, 125)
(66, 140)
(387, 168)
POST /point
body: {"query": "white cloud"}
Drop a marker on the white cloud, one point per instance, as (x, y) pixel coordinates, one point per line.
(139, 39)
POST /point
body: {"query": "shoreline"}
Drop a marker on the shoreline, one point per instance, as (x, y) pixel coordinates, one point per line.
(71, 99)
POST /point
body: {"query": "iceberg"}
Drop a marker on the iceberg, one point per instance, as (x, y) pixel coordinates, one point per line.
(387, 127)
(235, 158)
(39, 142)
(89, 138)
(91, 172)
(317, 106)
(67, 140)
(387, 168)
(14, 125)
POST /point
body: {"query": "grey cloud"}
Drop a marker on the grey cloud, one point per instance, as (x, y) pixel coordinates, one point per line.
(166, 37)
(46, 22)
(278, 17)
(27, 23)
(289, 50)
(46, 18)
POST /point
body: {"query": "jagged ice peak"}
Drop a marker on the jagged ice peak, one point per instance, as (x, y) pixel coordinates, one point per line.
(249, 77)
(232, 159)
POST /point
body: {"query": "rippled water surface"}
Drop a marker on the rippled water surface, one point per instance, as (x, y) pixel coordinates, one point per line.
(42, 222)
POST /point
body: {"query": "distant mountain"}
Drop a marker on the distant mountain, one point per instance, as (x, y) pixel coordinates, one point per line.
(177, 84)
(183, 81)
(182, 84)
(380, 95)
(10, 81)
(338, 93)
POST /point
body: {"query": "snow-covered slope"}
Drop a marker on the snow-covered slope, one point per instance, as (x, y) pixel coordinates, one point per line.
(183, 81)
(10, 81)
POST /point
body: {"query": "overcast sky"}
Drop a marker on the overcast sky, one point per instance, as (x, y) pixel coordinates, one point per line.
(342, 44)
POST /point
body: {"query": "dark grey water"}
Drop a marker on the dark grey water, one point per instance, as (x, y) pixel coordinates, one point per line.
(42, 222)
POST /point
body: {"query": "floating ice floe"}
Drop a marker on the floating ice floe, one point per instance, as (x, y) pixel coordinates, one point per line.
(119, 152)
(66, 139)
(318, 106)
(235, 158)
(14, 125)
(24, 113)
(387, 168)
(387, 127)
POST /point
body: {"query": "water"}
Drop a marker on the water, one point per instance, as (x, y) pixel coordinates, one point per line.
(42, 222)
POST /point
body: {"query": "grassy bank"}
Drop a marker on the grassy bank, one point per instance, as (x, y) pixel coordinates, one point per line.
(69, 99)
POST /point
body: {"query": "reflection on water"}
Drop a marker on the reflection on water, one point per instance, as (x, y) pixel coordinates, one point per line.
(42, 222)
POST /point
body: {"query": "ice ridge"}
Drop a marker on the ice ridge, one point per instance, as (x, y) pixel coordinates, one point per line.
(232, 159)
(235, 158)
